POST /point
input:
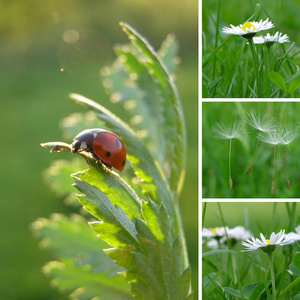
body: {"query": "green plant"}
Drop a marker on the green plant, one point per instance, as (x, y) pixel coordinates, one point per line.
(254, 66)
(135, 214)
(241, 270)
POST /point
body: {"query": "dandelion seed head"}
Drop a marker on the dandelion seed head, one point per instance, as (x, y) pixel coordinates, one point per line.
(274, 137)
(225, 132)
(261, 121)
(289, 134)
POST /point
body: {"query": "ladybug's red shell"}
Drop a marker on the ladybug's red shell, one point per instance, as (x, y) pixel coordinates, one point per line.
(104, 145)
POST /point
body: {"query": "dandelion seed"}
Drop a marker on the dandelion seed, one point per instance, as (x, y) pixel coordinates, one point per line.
(273, 138)
(263, 122)
(248, 29)
(289, 134)
(224, 132)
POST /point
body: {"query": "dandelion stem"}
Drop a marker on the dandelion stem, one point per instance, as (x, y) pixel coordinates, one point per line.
(286, 168)
(273, 178)
(230, 180)
(272, 276)
(250, 168)
(255, 66)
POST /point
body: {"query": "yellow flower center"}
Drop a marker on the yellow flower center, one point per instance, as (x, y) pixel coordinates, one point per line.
(247, 25)
(268, 242)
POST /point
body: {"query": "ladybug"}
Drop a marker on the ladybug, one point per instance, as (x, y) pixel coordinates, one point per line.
(103, 145)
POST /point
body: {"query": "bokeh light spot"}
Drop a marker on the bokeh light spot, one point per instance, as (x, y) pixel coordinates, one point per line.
(71, 36)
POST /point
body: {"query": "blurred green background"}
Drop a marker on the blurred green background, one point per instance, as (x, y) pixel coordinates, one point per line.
(284, 14)
(258, 183)
(34, 98)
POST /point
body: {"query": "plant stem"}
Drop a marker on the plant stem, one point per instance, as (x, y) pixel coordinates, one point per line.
(250, 168)
(269, 57)
(250, 40)
(286, 168)
(230, 180)
(273, 178)
(272, 276)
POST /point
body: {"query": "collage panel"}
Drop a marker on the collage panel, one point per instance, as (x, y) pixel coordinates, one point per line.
(250, 49)
(250, 250)
(250, 150)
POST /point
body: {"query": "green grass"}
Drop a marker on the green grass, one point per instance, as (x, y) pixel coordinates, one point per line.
(258, 183)
(229, 68)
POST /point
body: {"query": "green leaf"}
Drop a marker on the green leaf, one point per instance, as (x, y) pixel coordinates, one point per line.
(210, 278)
(173, 113)
(85, 283)
(253, 290)
(83, 267)
(168, 53)
(233, 292)
(278, 80)
(57, 177)
(296, 261)
(131, 81)
(154, 271)
(148, 172)
(294, 270)
(116, 227)
(294, 85)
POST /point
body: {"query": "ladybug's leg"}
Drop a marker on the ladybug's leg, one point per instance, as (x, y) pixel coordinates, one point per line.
(100, 164)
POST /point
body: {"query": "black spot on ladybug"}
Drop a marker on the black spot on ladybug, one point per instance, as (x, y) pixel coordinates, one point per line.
(107, 154)
(123, 164)
(118, 143)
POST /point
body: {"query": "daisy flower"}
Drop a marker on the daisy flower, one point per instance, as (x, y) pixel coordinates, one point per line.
(215, 232)
(238, 233)
(271, 39)
(248, 29)
(266, 245)
(292, 236)
(218, 236)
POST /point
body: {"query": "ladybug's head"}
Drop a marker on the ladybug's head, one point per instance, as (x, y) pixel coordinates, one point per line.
(75, 146)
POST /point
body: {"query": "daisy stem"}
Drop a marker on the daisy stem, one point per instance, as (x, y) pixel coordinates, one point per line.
(267, 71)
(273, 178)
(272, 276)
(255, 67)
(269, 57)
(230, 180)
